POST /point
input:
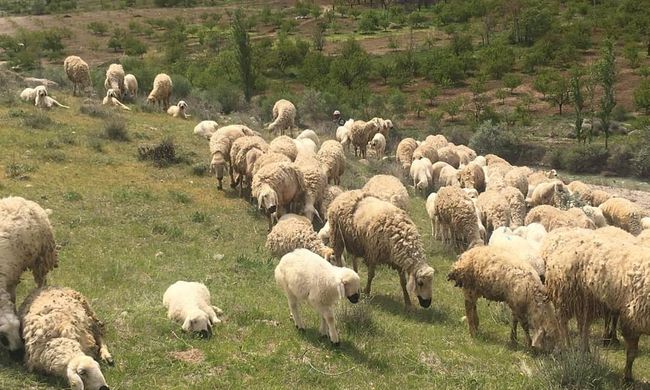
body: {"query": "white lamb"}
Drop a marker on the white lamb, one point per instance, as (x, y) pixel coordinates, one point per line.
(311, 134)
(189, 303)
(343, 133)
(112, 100)
(130, 86)
(527, 250)
(205, 129)
(421, 173)
(162, 90)
(378, 145)
(305, 276)
(178, 111)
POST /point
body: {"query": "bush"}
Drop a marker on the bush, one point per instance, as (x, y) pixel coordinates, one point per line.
(162, 154)
(115, 129)
(491, 138)
(181, 86)
(96, 110)
(19, 171)
(573, 369)
(37, 120)
(98, 28)
(228, 95)
(620, 160)
(641, 162)
(585, 159)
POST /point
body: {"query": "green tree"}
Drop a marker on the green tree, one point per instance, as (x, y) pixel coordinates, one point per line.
(430, 94)
(98, 28)
(501, 94)
(243, 53)
(559, 92)
(606, 71)
(384, 69)
(452, 107)
(352, 66)
(578, 99)
(497, 60)
(542, 83)
(642, 96)
(318, 36)
(631, 54)
(511, 81)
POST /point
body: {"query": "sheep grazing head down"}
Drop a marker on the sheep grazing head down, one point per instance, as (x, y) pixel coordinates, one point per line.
(546, 332)
(350, 285)
(217, 165)
(10, 333)
(198, 321)
(84, 374)
(267, 201)
(420, 283)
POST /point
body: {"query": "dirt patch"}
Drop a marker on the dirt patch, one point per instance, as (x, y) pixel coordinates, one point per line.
(194, 356)
(641, 198)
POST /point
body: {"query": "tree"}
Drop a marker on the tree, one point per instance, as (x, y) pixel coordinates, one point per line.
(642, 96)
(430, 94)
(577, 96)
(497, 60)
(631, 53)
(559, 92)
(452, 107)
(243, 53)
(318, 36)
(98, 28)
(501, 94)
(352, 66)
(511, 81)
(606, 71)
(542, 83)
(384, 69)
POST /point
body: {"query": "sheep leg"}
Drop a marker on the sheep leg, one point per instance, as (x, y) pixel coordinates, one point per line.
(609, 336)
(402, 281)
(294, 307)
(104, 353)
(563, 328)
(331, 326)
(371, 275)
(470, 311)
(513, 329)
(323, 327)
(631, 350)
(524, 326)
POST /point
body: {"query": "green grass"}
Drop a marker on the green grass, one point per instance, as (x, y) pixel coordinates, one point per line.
(128, 230)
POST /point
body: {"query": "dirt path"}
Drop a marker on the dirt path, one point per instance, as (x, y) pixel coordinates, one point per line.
(642, 198)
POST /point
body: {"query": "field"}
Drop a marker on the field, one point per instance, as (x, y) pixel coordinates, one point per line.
(128, 229)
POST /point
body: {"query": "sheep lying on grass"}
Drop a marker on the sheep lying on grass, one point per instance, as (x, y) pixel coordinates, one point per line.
(305, 276)
(205, 129)
(188, 303)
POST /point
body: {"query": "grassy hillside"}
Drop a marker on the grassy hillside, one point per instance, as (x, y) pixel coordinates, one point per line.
(128, 229)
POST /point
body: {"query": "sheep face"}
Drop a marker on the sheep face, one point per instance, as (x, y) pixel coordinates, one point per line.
(350, 285)
(10, 332)
(83, 373)
(421, 284)
(268, 201)
(199, 322)
(218, 166)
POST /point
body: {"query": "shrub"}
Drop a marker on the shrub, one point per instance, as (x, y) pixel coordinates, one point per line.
(37, 120)
(641, 162)
(95, 110)
(491, 138)
(585, 159)
(182, 86)
(228, 95)
(19, 171)
(200, 169)
(573, 369)
(357, 318)
(98, 28)
(162, 154)
(115, 129)
(620, 160)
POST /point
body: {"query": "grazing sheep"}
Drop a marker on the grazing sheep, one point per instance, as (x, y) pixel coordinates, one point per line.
(596, 215)
(454, 219)
(162, 91)
(552, 218)
(421, 173)
(381, 233)
(343, 133)
(305, 276)
(378, 145)
(624, 214)
(276, 187)
(26, 242)
(518, 178)
(536, 178)
(293, 232)
(494, 210)
(447, 177)
(111, 100)
(448, 154)
(179, 110)
(501, 276)
(307, 149)
(548, 193)
(285, 145)
(43, 100)
(437, 141)
(205, 129)
(493, 159)
(599, 197)
(517, 205)
(581, 190)
(404, 152)
(315, 183)
(78, 72)
(388, 188)
(63, 337)
(188, 303)
(332, 156)
(130, 86)
(465, 153)
(360, 133)
(267, 159)
(284, 116)
(220, 146)
(311, 134)
(472, 176)
(526, 250)
(115, 79)
(242, 161)
(531, 232)
(426, 150)
(331, 192)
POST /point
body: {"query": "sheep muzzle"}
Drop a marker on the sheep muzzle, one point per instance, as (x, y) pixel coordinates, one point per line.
(354, 298)
(424, 302)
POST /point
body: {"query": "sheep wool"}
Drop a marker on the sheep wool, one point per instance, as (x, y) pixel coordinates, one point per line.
(331, 192)
(205, 129)
(388, 188)
(624, 214)
(188, 303)
(360, 134)
(378, 145)
(518, 178)
(115, 79)
(404, 152)
(311, 134)
(552, 218)
(494, 210)
(437, 141)
(284, 117)
(130, 86)
(448, 154)
(240, 159)
(276, 186)
(285, 145)
(517, 204)
(162, 90)
(295, 231)
(78, 72)
(332, 156)
(454, 218)
(426, 150)
(472, 176)
(267, 159)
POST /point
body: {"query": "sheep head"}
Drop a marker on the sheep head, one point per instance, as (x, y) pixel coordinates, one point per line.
(546, 333)
(83, 373)
(10, 332)
(198, 321)
(420, 282)
(267, 200)
(349, 286)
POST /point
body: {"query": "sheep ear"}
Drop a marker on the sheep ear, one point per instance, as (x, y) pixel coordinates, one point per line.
(341, 289)
(186, 325)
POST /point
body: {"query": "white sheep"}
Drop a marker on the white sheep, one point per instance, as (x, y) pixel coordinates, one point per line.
(244, 152)
(343, 133)
(447, 177)
(115, 79)
(494, 210)
(526, 250)
(548, 193)
(111, 100)
(295, 231)
(311, 134)
(360, 133)
(378, 145)
(552, 218)
(63, 337)
(421, 174)
(276, 187)
(78, 72)
(436, 140)
(188, 303)
(162, 91)
(596, 215)
(332, 156)
(284, 117)
(26, 242)
(404, 152)
(449, 155)
(426, 150)
(285, 145)
(472, 176)
(388, 188)
(305, 276)
(130, 86)
(624, 214)
(205, 129)
(306, 148)
(454, 219)
(179, 110)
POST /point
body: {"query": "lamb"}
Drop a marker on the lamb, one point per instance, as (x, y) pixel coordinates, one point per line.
(517, 205)
(285, 145)
(447, 177)
(404, 152)
(284, 116)
(64, 337)
(378, 145)
(360, 133)
(499, 275)
(305, 276)
(426, 150)
(454, 218)
(115, 79)
(332, 156)
(437, 141)
(43, 100)
(548, 194)
(26, 242)
(78, 72)
(188, 303)
(162, 91)
(179, 110)
(526, 250)
(343, 133)
(494, 211)
(381, 233)
(293, 232)
(130, 86)
(472, 176)
(205, 129)
(518, 178)
(111, 100)
(242, 161)
(552, 218)
(624, 214)
(448, 154)
(311, 134)
(421, 173)
(388, 188)
(276, 186)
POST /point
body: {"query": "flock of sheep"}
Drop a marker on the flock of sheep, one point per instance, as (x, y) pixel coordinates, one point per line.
(517, 244)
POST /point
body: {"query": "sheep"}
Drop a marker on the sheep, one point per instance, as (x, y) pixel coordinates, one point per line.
(331, 192)
(582, 191)
(43, 100)
(437, 141)
(472, 176)
(533, 232)
(596, 215)
(465, 153)
(179, 110)
(599, 197)
(378, 145)
(493, 159)
(242, 161)
(130, 86)
(447, 177)
(404, 152)
(624, 214)
(454, 218)
(162, 91)
(276, 186)
(284, 116)
(448, 154)
(267, 159)
(590, 275)
(306, 148)
(548, 193)
(220, 146)
(526, 250)
(332, 156)
(205, 129)
(536, 178)
(500, 275)
(111, 100)
(188, 303)
(285, 145)
(421, 173)
(517, 205)
(305, 276)
(315, 183)
(645, 223)
(78, 72)
(426, 150)
(64, 337)
(115, 79)
(388, 188)
(343, 133)
(494, 210)
(552, 218)
(381, 233)
(360, 133)
(26, 242)
(518, 178)
(436, 168)
(295, 231)
(311, 134)
(385, 125)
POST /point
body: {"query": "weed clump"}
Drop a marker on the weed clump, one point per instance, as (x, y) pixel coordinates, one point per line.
(37, 120)
(573, 369)
(115, 129)
(162, 154)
